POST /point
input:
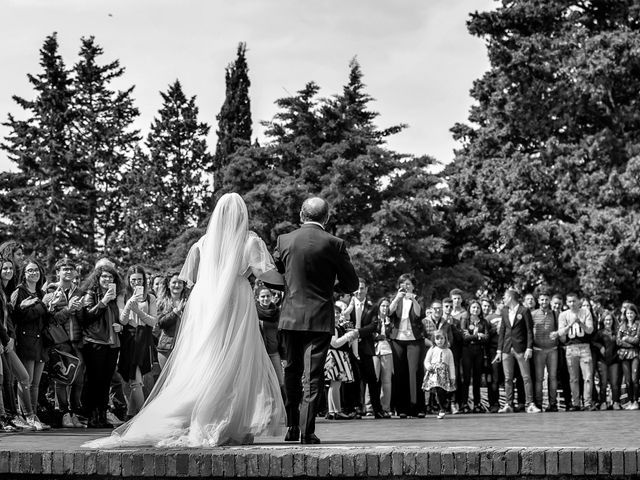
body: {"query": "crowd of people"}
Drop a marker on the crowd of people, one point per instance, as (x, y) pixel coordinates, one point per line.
(85, 352)
(544, 349)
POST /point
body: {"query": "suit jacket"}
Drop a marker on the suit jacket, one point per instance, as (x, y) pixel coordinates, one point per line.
(520, 335)
(311, 261)
(368, 329)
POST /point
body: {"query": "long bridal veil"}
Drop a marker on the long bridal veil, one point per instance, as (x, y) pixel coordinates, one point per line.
(218, 386)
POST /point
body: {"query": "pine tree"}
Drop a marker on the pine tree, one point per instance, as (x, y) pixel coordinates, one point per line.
(42, 201)
(234, 119)
(172, 182)
(332, 148)
(105, 142)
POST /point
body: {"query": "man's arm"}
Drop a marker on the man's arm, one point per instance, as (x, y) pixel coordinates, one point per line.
(347, 277)
(277, 257)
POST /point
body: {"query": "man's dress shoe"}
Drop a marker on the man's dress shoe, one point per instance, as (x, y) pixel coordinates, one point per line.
(310, 439)
(293, 434)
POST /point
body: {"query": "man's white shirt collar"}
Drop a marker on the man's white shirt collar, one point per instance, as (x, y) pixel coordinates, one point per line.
(314, 223)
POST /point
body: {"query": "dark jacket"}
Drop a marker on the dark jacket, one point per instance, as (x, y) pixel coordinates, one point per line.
(98, 319)
(311, 261)
(368, 329)
(29, 323)
(520, 335)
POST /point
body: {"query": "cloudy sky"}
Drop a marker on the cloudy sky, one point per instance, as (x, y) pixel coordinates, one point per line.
(418, 59)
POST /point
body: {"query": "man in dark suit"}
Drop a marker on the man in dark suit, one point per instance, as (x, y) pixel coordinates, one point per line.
(515, 343)
(311, 260)
(365, 321)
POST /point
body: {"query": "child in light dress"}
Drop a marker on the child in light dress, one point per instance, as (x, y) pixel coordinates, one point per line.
(440, 371)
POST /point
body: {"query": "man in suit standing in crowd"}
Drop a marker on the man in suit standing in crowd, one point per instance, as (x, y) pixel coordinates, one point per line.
(311, 260)
(367, 325)
(515, 344)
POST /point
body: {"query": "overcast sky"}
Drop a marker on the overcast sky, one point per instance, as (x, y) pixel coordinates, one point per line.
(417, 57)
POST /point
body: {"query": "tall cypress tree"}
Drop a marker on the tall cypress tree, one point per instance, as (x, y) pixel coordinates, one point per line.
(172, 182)
(234, 119)
(42, 201)
(105, 142)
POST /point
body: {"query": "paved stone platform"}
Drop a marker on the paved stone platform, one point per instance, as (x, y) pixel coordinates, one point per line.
(557, 445)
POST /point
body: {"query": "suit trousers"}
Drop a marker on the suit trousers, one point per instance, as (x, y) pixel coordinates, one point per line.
(305, 355)
(508, 361)
(408, 374)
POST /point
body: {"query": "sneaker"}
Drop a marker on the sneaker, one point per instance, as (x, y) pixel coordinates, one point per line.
(36, 424)
(113, 420)
(506, 409)
(616, 406)
(551, 408)
(440, 415)
(633, 406)
(66, 421)
(6, 426)
(454, 409)
(20, 422)
(420, 415)
(603, 406)
(494, 408)
(532, 408)
(478, 409)
(76, 422)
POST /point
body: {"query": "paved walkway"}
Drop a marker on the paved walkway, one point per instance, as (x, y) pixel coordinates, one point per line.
(550, 444)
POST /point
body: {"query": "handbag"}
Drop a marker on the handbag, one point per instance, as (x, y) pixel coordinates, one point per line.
(63, 366)
(55, 334)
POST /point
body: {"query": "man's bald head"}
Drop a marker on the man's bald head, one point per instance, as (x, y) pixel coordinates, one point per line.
(314, 209)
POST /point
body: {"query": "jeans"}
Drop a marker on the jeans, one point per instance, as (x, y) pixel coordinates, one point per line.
(630, 377)
(508, 364)
(384, 371)
(34, 370)
(548, 358)
(69, 397)
(609, 374)
(100, 363)
(472, 363)
(579, 359)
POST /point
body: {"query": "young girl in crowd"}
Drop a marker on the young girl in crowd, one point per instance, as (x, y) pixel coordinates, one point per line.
(628, 338)
(338, 368)
(604, 343)
(172, 298)
(139, 316)
(30, 317)
(440, 371)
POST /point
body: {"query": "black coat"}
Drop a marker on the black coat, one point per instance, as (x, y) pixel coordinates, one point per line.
(311, 261)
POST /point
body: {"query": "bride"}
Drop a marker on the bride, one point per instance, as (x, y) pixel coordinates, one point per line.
(218, 386)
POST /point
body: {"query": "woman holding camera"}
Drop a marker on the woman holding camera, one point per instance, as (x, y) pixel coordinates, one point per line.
(139, 316)
(101, 343)
(408, 349)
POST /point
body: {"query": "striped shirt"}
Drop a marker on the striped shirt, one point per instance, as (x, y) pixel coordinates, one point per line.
(544, 322)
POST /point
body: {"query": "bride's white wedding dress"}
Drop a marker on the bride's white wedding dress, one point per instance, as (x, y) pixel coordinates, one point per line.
(218, 386)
